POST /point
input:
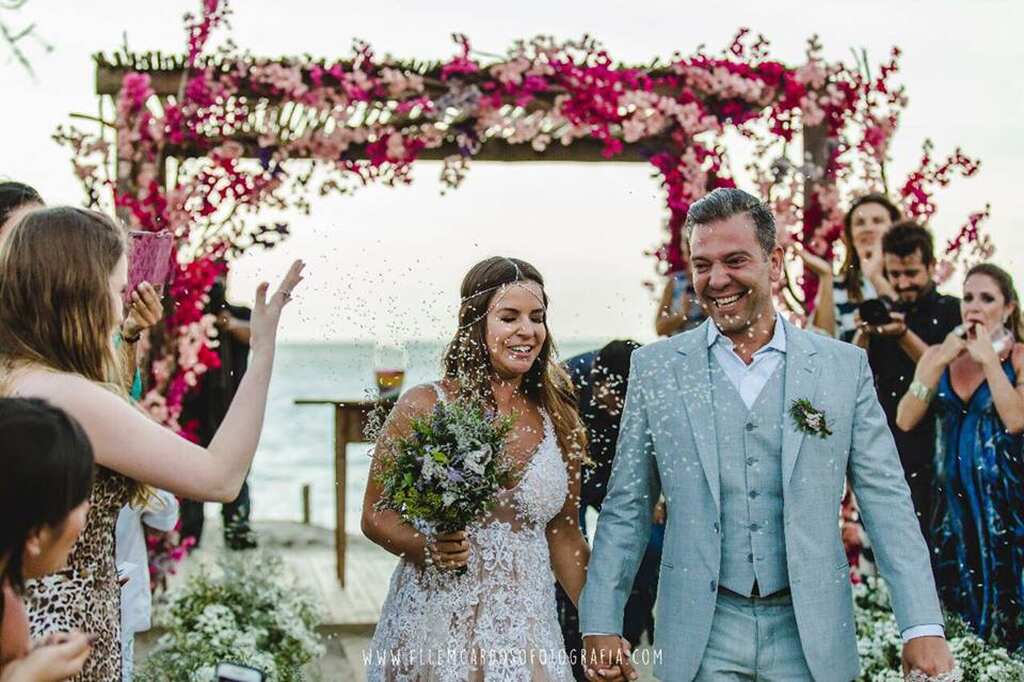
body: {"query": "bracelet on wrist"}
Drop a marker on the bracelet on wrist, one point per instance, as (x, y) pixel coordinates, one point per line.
(921, 392)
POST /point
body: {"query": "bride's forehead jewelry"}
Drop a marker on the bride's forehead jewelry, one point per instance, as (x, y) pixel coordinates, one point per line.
(519, 283)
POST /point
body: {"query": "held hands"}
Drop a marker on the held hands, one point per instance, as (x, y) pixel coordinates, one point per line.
(144, 311)
(57, 657)
(606, 659)
(266, 314)
(930, 655)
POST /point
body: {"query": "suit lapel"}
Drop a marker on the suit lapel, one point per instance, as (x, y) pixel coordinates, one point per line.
(693, 377)
(801, 382)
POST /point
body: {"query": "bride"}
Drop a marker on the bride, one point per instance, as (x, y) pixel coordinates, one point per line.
(498, 621)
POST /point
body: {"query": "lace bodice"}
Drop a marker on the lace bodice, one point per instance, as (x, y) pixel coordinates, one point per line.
(499, 620)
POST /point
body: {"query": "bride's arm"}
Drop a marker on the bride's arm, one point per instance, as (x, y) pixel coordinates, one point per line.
(129, 442)
(569, 550)
(384, 527)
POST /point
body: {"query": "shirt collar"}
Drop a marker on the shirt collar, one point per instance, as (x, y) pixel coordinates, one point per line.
(777, 342)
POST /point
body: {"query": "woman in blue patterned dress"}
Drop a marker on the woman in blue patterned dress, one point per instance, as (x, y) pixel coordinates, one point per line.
(977, 378)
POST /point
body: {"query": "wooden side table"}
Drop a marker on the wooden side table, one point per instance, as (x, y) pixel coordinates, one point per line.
(351, 418)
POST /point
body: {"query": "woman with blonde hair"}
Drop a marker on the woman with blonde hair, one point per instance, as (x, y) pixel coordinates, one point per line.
(499, 620)
(63, 273)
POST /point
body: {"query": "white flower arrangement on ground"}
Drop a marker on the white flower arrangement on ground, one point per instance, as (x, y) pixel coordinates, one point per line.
(880, 645)
(244, 612)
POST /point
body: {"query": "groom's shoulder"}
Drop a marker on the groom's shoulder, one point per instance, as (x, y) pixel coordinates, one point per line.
(667, 347)
(831, 348)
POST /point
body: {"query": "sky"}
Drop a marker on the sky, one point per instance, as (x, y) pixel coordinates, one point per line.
(386, 263)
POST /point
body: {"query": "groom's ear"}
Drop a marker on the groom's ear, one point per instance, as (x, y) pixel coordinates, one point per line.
(776, 262)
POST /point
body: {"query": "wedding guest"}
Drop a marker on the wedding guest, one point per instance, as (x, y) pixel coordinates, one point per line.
(678, 309)
(861, 276)
(601, 378)
(57, 318)
(44, 500)
(159, 514)
(921, 317)
(209, 405)
(16, 199)
(975, 379)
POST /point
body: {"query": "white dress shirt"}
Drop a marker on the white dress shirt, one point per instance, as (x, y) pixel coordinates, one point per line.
(751, 379)
(133, 560)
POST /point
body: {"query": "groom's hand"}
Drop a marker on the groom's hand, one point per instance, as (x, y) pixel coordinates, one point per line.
(606, 659)
(930, 655)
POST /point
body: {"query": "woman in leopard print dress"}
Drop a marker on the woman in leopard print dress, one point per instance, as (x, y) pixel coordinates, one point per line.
(57, 316)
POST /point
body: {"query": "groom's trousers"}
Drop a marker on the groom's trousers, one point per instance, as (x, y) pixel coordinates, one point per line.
(753, 638)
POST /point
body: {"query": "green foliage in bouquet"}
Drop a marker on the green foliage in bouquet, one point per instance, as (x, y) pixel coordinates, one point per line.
(449, 469)
(880, 644)
(246, 612)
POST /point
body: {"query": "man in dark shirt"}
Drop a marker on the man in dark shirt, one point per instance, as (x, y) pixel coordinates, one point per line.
(922, 317)
(207, 408)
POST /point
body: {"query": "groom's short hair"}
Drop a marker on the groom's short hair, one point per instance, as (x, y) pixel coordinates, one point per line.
(725, 202)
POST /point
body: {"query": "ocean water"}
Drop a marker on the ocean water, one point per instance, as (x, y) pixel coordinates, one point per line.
(296, 447)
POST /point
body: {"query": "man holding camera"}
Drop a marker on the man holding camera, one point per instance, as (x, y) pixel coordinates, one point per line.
(896, 334)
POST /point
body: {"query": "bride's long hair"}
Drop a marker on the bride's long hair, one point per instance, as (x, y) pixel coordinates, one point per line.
(467, 361)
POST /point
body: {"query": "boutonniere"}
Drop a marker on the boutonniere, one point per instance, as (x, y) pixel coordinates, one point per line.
(809, 419)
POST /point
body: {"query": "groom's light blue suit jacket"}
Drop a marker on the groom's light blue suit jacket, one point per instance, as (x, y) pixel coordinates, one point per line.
(667, 444)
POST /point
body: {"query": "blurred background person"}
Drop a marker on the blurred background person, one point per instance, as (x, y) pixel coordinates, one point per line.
(678, 309)
(897, 335)
(861, 275)
(600, 378)
(16, 199)
(976, 379)
(159, 514)
(44, 501)
(207, 408)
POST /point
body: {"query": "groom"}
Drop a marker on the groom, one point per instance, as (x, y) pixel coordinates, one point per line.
(749, 427)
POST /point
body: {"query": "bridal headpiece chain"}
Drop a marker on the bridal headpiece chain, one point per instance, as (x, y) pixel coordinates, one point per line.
(518, 282)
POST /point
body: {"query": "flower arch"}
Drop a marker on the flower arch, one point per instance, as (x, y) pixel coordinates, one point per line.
(199, 143)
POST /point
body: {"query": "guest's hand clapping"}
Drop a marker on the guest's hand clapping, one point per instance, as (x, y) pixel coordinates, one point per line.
(266, 314)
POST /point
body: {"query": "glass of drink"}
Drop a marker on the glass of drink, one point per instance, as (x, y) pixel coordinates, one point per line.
(389, 364)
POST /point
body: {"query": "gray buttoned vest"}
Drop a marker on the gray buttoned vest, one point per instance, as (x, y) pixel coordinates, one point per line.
(750, 475)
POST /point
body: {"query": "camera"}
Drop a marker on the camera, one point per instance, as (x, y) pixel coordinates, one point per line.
(877, 311)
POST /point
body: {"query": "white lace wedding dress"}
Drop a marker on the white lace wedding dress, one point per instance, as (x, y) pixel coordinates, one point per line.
(498, 622)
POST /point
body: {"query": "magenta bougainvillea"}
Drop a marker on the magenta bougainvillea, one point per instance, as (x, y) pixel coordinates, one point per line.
(368, 119)
(243, 133)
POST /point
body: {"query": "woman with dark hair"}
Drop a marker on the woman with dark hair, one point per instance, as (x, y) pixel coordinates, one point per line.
(57, 319)
(976, 378)
(44, 501)
(861, 276)
(16, 199)
(498, 621)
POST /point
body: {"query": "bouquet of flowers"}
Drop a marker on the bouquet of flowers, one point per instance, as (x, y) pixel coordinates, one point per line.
(447, 472)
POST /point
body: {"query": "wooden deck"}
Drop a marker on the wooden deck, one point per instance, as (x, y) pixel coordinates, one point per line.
(349, 614)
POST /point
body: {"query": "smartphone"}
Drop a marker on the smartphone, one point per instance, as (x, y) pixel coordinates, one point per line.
(233, 672)
(149, 260)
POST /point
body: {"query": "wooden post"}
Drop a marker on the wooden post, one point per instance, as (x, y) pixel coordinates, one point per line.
(350, 420)
(306, 515)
